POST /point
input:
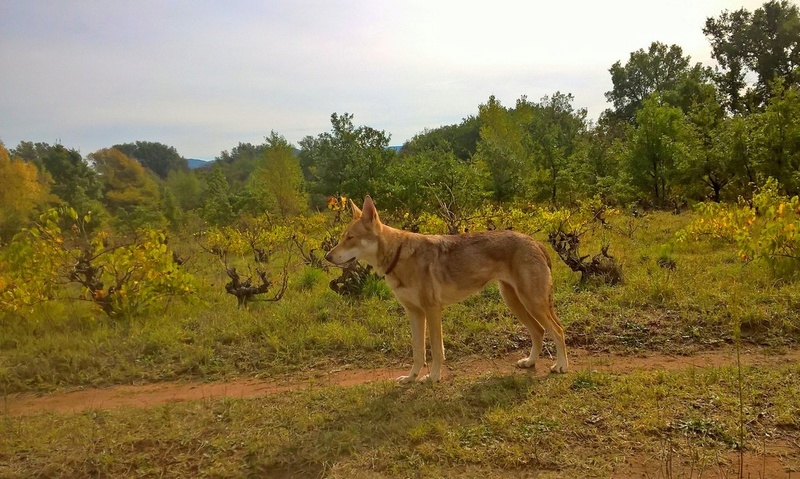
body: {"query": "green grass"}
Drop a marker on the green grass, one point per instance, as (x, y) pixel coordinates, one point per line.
(586, 424)
(676, 298)
(691, 305)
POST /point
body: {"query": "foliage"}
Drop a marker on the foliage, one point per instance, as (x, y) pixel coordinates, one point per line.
(534, 150)
(502, 148)
(712, 164)
(23, 192)
(567, 228)
(277, 181)
(659, 148)
(217, 208)
(767, 228)
(554, 134)
(185, 187)
(776, 137)
(348, 160)
(461, 139)
(73, 180)
(763, 43)
(129, 192)
(257, 236)
(436, 183)
(120, 276)
(157, 157)
(238, 164)
(661, 69)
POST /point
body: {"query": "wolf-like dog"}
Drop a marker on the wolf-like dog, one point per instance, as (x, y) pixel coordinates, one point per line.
(428, 272)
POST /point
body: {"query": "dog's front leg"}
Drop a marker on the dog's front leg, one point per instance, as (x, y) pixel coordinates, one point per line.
(433, 318)
(417, 318)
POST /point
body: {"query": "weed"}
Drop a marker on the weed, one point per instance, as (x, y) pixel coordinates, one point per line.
(309, 277)
(375, 287)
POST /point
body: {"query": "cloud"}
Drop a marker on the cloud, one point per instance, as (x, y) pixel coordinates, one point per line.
(203, 76)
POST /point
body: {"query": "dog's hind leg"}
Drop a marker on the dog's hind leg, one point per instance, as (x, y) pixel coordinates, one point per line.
(433, 319)
(562, 363)
(541, 308)
(417, 317)
(534, 328)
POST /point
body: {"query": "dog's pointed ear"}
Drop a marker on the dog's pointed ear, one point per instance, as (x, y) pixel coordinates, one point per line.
(356, 211)
(370, 214)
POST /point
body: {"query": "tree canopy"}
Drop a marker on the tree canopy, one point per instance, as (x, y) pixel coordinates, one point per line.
(73, 179)
(24, 192)
(158, 157)
(675, 131)
(347, 160)
(764, 43)
(661, 69)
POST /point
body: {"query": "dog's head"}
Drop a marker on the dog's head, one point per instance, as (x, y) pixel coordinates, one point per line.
(360, 236)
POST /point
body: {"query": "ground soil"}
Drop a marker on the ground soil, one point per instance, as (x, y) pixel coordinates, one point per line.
(768, 464)
(148, 395)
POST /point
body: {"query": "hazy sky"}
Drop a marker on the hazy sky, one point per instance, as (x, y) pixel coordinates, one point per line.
(203, 76)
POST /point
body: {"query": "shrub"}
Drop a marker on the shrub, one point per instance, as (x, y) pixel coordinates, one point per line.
(766, 229)
(119, 275)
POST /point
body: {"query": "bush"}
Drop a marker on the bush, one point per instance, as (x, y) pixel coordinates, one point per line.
(60, 258)
(766, 229)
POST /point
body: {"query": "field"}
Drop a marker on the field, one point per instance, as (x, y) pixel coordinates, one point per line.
(690, 368)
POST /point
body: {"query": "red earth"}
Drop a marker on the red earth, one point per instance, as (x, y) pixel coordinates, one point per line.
(771, 463)
(147, 395)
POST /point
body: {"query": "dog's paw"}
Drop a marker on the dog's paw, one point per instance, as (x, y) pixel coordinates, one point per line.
(406, 379)
(558, 368)
(526, 363)
(429, 379)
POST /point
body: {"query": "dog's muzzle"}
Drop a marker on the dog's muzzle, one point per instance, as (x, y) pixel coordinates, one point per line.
(329, 258)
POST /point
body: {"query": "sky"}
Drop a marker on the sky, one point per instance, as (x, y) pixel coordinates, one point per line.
(204, 76)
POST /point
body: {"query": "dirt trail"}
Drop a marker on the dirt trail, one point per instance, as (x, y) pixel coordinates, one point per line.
(143, 396)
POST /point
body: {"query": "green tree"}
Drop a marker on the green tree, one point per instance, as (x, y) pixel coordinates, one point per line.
(714, 166)
(157, 157)
(278, 180)
(661, 69)
(462, 139)
(130, 193)
(217, 208)
(764, 44)
(435, 181)
(736, 143)
(659, 148)
(554, 139)
(502, 146)
(348, 160)
(185, 187)
(74, 180)
(240, 163)
(24, 192)
(600, 170)
(777, 137)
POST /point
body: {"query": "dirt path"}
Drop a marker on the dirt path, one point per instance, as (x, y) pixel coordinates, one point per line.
(143, 396)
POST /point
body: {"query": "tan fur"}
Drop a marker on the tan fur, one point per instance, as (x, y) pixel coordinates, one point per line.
(428, 272)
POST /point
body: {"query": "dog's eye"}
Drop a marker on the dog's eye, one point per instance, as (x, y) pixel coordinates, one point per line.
(349, 237)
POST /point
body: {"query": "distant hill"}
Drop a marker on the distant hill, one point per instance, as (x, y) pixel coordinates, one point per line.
(195, 163)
